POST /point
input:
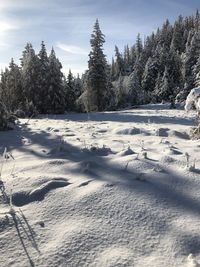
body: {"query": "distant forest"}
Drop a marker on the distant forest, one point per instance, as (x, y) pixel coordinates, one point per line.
(163, 67)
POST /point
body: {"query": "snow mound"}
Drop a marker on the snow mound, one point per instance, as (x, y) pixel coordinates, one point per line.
(38, 194)
(163, 132)
(172, 151)
(193, 100)
(98, 151)
(182, 135)
(114, 256)
(167, 159)
(192, 262)
(126, 152)
(127, 131)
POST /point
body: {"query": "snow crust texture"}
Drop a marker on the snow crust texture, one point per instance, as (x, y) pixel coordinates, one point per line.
(120, 189)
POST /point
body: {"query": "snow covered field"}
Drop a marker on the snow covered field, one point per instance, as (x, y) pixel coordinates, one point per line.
(114, 190)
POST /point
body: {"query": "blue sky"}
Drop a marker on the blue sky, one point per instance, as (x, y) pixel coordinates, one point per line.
(67, 25)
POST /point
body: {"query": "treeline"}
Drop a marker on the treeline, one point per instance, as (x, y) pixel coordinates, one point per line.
(165, 66)
(38, 84)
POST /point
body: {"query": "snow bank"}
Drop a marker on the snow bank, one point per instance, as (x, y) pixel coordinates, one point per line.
(193, 100)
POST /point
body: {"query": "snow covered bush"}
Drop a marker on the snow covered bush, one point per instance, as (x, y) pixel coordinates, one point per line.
(193, 100)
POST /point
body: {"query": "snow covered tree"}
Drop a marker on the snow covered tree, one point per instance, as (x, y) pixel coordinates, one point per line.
(11, 87)
(165, 35)
(135, 94)
(97, 82)
(178, 36)
(127, 60)
(43, 78)
(70, 92)
(119, 65)
(138, 46)
(55, 98)
(150, 74)
(30, 75)
(4, 92)
(196, 73)
(190, 60)
(78, 86)
(165, 89)
(3, 117)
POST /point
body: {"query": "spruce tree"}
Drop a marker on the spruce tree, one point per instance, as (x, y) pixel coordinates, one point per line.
(120, 66)
(14, 87)
(3, 117)
(43, 78)
(196, 73)
(134, 91)
(178, 36)
(55, 98)
(4, 92)
(149, 75)
(165, 89)
(190, 60)
(30, 74)
(97, 83)
(70, 92)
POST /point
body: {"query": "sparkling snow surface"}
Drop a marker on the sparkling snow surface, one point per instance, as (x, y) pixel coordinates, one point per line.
(109, 190)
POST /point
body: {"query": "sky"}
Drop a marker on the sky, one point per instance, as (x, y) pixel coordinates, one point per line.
(67, 25)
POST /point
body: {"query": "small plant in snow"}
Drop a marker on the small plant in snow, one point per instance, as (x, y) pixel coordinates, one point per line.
(62, 145)
(192, 167)
(142, 145)
(144, 155)
(187, 159)
(4, 159)
(136, 158)
(11, 210)
(126, 166)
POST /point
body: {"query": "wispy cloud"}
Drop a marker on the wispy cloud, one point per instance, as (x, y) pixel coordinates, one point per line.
(71, 49)
(7, 26)
(67, 24)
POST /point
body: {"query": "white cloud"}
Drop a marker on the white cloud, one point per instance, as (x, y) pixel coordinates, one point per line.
(72, 49)
(7, 26)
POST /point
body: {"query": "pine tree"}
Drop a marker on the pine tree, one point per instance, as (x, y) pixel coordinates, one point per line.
(165, 35)
(190, 60)
(14, 87)
(127, 60)
(3, 117)
(70, 92)
(134, 91)
(138, 46)
(4, 92)
(158, 85)
(150, 74)
(30, 74)
(55, 98)
(119, 92)
(165, 89)
(119, 65)
(196, 73)
(43, 78)
(97, 83)
(178, 36)
(78, 86)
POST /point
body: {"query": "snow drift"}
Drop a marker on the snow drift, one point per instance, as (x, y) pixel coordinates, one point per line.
(193, 100)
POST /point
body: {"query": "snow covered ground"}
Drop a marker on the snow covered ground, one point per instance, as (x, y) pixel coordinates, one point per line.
(114, 190)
